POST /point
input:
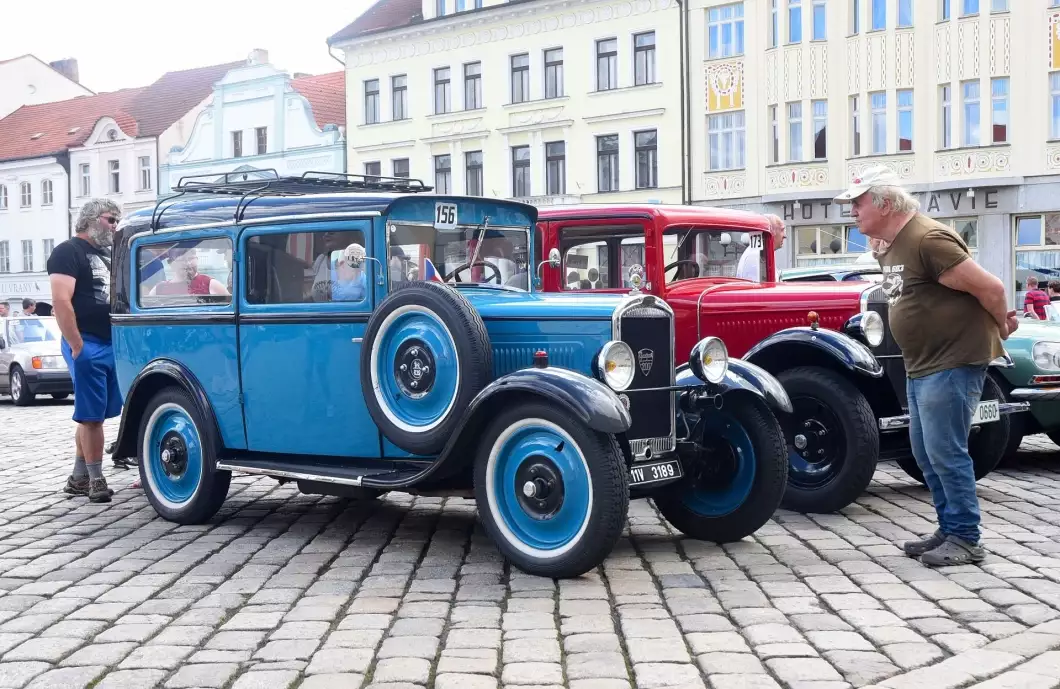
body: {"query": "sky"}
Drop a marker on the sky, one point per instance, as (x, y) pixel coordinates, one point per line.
(121, 43)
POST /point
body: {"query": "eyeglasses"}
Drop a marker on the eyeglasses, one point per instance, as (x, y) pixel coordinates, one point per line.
(109, 218)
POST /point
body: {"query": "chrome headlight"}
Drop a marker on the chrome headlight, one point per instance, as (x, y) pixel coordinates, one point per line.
(709, 359)
(868, 326)
(43, 362)
(1046, 355)
(615, 365)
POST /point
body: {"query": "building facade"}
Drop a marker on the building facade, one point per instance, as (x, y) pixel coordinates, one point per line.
(27, 80)
(544, 101)
(261, 118)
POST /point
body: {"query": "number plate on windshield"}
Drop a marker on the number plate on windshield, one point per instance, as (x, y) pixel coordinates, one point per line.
(445, 216)
(986, 412)
(642, 474)
(756, 240)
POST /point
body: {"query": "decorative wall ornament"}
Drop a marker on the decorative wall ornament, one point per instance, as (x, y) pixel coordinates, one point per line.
(971, 162)
(904, 56)
(1052, 157)
(999, 46)
(968, 49)
(854, 65)
(771, 77)
(903, 167)
(724, 186)
(724, 86)
(942, 53)
(796, 177)
(456, 127)
(793, 73)
(522, 119)
(818, 71)
(876, 61)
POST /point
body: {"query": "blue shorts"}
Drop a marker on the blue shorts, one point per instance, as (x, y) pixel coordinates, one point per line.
(96, 393)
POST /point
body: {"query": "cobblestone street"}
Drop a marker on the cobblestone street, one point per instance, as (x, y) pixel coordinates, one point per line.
(285, 590)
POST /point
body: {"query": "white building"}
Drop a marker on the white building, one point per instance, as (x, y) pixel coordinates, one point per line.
(542, 100)
(26, 80)
(261, 118)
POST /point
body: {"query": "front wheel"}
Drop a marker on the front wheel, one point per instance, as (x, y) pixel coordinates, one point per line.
(551, 493)
(737, 478)
(178, 460)
(21, 395)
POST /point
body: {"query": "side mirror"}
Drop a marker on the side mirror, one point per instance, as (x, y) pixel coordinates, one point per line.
(354, 255)
(554, 260)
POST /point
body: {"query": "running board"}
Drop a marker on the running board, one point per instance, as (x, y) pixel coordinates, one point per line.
(378, 473)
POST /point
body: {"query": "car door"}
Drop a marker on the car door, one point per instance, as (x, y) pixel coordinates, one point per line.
(300, 329)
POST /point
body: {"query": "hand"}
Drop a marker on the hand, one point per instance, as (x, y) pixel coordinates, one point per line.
(75, 350)
(1011, 324)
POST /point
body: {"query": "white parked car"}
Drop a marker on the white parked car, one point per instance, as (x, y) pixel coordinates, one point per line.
(31, 362)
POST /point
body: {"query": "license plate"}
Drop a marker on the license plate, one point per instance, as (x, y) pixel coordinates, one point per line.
(986, 412)
(642, 474)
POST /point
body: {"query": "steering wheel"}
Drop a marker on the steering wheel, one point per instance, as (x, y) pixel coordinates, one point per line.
(496, 277)
(677, 263)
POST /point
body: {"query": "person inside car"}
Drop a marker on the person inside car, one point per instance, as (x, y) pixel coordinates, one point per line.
(184, 264)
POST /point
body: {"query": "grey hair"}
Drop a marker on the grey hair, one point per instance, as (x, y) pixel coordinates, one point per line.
(91, 211)
(901, 200)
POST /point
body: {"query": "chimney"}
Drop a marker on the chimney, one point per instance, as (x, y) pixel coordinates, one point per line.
(258, 57)
(67, 67)
(300, 75)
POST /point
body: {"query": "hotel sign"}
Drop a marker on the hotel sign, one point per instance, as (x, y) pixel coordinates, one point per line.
(944, 203)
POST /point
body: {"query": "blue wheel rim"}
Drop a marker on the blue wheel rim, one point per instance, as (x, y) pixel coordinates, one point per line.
(530, 442)
(409, 410)
(170, 425)
(720, 494)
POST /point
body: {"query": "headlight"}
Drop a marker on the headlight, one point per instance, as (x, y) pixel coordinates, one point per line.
(1046, 355)
(867, 326)
(709, 360)
(41, 362)
(615, 365)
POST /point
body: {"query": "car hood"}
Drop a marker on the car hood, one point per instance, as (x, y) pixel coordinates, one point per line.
(755, 296)
(1030, 329)
(50, 348)
(496, 303)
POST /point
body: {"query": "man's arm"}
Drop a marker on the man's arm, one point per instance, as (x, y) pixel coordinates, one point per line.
(968, 276)
(63, 307)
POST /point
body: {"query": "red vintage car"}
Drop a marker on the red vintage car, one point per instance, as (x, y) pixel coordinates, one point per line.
(828, 343)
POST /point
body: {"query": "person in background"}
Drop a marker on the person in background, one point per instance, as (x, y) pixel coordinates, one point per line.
(777, 229)
(79, 272)
(1035, 299)
(5, 310)
(949, 316)
(1054, 290)
(29, 307)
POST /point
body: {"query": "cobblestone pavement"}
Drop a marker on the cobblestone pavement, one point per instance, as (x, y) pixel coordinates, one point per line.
(285, 590)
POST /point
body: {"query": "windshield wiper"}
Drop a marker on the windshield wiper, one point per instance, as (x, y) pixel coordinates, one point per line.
(481, 229)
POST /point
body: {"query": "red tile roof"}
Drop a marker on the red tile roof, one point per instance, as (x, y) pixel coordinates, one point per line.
(384, 14)
(326, 94)
(145, 111)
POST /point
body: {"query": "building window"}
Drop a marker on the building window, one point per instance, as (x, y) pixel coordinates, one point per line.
(999, 106)
(1037, 250)
(461, 5)
(49, 246)
(86, 179)
(829, 245)
(443, 174)
(46, 193)
(439, 8)
(879, 15)
(554, 73)
(794, 132)
(1000, 5)
(820, 129)
(646, 150)
(969, 7)
(905, 120)
(399, 87)
(556, 168)
(725, 31)
(644, 58)
(473, 86)
(27, 255)
(970, 100)
(371, 101)
(945, 119)
(145, 173)
(520, 171)
(3, 197)
(905, 13)
(774, 129)
(794, 21)
(5, 257)
(607, 64)
(855, 16)
(26, 192)
(944, 10)
(399, 167)
(855, 126)
(373, 169)
(261, 135)
(473, 178)
(726, 139)
(442, 102)
(237, 144)
(520, 78)
(819, 17)
(115, 176)
(607, 162)
(1054, 98)
(878, 105)
(774, 27)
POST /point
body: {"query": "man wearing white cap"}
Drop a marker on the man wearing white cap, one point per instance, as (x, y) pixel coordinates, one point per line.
(949, 316)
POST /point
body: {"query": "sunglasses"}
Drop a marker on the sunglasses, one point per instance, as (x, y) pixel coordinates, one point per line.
(109, 218)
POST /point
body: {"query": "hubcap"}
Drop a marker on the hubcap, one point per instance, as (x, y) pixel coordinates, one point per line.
(415, 369)
(817, 443)
(540, 487)
(174, 455)
(16, 385)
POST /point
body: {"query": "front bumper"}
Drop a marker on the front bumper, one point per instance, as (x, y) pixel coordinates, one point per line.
(1050, 394)
(49, 382)
(893, 423)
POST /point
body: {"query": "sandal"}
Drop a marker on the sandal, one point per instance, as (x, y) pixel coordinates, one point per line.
(953, 551)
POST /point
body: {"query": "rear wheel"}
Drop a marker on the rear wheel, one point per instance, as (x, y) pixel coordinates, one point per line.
(737, 478)
(21, 395)
(833, 443)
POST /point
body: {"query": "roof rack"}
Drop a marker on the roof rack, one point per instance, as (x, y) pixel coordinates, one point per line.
(258, 183)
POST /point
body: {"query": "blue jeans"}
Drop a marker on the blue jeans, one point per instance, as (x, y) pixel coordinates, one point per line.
(97, 396)
(941, 406)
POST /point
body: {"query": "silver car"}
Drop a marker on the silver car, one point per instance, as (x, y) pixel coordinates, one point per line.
(31, 362)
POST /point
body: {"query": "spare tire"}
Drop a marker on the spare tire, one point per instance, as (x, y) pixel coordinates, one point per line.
(425, 356)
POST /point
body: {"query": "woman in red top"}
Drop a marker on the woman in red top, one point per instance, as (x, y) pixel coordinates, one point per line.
(187, 279)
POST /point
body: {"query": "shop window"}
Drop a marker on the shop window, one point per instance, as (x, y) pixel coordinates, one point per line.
(1037, 240)
(829, 245)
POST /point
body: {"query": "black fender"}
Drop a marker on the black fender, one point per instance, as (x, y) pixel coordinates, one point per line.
(745, 376)
(852, 355)
(157, 374)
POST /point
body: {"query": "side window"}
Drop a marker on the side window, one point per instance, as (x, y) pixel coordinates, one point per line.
(585, 266)
(185, 273)
(306, 267)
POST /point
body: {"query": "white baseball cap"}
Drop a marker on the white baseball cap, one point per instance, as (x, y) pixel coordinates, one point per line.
(880, 175)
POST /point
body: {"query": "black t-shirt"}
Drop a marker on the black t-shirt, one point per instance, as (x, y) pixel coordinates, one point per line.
(90, 268)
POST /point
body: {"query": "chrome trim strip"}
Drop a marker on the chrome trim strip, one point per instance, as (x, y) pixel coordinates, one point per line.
(1036, 394)
(225, 466)
(890, 423)
(311, 216)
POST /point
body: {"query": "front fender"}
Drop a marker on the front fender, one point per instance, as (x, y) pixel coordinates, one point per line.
(157, 374)
(848, 352)
(742, 375)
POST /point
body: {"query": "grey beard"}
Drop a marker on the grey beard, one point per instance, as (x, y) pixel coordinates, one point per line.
(102, 237)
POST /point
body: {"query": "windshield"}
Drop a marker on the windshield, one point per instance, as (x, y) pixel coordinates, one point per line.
(20, 330)
(461, 256)
(716, 252)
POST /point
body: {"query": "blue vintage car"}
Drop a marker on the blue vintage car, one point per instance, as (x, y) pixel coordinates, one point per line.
(358, 335)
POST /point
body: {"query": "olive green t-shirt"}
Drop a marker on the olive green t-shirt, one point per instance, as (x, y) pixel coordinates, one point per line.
(938, 328)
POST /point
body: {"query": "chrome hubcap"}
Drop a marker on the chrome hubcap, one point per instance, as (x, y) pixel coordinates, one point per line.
(16, 385)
